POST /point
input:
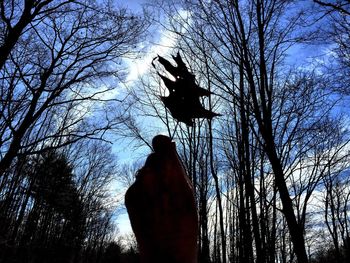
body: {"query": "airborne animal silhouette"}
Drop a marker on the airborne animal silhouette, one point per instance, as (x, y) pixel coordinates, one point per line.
(183, 100)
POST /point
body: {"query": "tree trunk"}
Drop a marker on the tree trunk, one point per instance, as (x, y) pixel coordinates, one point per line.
(296, 232)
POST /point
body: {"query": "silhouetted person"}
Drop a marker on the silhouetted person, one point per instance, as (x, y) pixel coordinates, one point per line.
(162, 209)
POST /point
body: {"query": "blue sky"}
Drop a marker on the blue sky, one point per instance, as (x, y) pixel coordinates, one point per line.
(135, 5)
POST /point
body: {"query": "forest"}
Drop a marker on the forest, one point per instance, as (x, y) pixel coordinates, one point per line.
(271, 174)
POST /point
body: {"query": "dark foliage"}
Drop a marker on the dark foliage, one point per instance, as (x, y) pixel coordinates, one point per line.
(331, 255)
(50, 224)
(53, 222)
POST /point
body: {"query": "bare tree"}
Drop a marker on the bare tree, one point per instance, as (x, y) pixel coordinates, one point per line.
(256, 169)
(341, 6)
(16, 16)
(245, 42)
(336, 16)
(59, 66)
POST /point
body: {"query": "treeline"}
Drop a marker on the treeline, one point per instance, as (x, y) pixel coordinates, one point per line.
(271, 175)
(60, 65)
(50, 214)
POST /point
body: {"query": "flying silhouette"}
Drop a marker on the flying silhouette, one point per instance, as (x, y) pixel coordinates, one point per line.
(183, 100)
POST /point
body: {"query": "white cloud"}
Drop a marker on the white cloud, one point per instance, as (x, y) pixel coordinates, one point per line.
(140, 66)
(163, 46)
